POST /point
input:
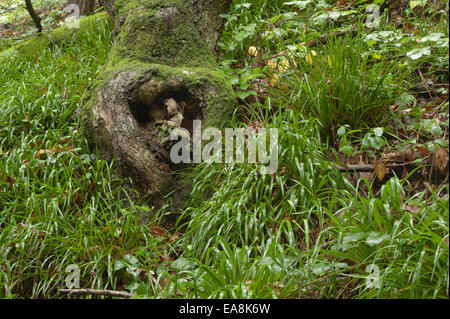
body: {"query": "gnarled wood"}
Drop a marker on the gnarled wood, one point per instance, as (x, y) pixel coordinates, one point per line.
(161, 73)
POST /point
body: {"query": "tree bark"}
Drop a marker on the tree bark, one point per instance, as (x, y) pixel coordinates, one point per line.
(164, 54)
(85, 6)
(34, 16)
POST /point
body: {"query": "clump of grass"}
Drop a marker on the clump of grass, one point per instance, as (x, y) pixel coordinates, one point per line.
(229, 271)
(59, 203)
(238, 203)
(304, 231)
(344, 85)
(404, 252)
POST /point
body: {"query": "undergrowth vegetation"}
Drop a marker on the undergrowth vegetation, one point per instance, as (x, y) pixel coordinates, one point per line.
(361, 96)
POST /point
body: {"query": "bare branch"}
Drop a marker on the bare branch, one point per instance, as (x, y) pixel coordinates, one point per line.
(95, 292)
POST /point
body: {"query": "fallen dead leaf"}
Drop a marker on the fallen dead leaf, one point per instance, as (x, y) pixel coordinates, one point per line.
(379, 170)
(404, 173)
(412, 208)
(174, 237)
(158, 231)
(441, 159)
(423, 150)
(410, 154)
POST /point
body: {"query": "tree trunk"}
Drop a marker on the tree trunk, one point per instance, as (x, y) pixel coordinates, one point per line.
(164, 54)
(85, 6)
(34, 16)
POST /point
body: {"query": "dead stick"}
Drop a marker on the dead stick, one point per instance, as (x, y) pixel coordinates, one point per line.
(95, 292)
(355, 168)
(366, 167)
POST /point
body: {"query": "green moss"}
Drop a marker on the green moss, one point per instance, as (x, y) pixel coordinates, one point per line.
(161, 33)
(54, 38)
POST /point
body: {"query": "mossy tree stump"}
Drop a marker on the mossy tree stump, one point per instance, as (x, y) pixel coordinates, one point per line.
(163, 58)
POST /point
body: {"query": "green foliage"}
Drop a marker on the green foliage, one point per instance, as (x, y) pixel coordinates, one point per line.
(244, 206)
(306, 231)
(345, 88)
(343, 85)
(229, 271)
(60, 204)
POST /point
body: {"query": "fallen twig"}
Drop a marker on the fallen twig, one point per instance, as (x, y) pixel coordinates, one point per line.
(355, 168)
(95, 292)
(366, 167)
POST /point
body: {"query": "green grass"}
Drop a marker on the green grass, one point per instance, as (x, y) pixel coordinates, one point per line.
(60, 205)
(346, 86)
(306, 231)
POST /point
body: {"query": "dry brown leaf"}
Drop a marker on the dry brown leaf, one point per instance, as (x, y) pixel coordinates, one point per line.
(43, 152)
(379, 170)
(410, 154)
(412, 208)
(158, 231)
(406, 111)
(441, 159)
(404, 173)
(423, 150)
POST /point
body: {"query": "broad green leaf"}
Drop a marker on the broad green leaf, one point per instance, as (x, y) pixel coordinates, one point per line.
(378, 131)
(418, 53)
(341, 131)
(415, 3)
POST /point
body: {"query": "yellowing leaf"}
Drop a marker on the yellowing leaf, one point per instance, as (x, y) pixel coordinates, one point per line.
(283, 66)
(377, 56)
(272, 64)
(308, 57)
(253, 51)
(274, 80)
(415, 3)
(379, 170)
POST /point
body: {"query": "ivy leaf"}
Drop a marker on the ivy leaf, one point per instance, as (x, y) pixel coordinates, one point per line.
(133, 261)
(298, 4)
(182, 264)
(347, 150)
(433, 37)
(415, 3)
(377, 143)
(378, 131)
(118, 265)
(341, 131)
(241, 36)
(352, 237)
(418, 53)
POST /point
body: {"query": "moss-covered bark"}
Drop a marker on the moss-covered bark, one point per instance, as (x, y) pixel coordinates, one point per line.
(54, 38)
(164, 53)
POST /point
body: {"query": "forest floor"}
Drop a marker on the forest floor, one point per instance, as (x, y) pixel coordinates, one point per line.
(358, 207)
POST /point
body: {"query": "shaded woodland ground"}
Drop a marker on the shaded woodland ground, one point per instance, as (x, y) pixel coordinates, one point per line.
(357, 209)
